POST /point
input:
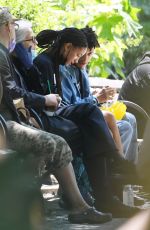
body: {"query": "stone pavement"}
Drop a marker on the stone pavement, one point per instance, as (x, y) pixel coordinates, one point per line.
(57, 218)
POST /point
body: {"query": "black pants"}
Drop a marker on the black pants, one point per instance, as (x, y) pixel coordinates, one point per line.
(64, 128)
(95, 135)
(84, 128)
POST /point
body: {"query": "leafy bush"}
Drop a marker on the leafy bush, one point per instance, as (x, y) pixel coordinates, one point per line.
(115, 22)
(133, 54)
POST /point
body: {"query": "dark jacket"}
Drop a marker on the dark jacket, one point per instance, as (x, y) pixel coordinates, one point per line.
(7, 108)
(136, 87)
(32, 77)
(31, 99)
(47, 67)
(14, 87)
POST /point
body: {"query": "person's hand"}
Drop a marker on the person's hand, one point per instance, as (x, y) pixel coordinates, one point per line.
(52, 101)
(24, 55)
(105, 94)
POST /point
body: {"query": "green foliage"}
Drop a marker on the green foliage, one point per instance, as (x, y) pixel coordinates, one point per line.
(115, 22)
(133, 54)
(114, 27)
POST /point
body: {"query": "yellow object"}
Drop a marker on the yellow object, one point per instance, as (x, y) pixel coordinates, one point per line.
(117, 108)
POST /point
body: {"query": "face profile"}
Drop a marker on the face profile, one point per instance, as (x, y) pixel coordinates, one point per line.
(85, 59)
(72, 54)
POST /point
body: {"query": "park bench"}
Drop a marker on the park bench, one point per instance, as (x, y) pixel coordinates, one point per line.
(98, 82)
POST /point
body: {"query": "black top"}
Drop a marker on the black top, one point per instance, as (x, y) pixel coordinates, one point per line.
(14, 87)
(7, 108)
(48, 65)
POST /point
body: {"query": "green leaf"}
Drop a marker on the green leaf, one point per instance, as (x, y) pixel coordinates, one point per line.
(115, 23)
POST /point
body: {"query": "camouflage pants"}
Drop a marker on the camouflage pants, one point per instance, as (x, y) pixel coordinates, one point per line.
(46, 146)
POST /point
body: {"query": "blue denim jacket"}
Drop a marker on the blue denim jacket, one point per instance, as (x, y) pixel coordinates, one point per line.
(70, 86)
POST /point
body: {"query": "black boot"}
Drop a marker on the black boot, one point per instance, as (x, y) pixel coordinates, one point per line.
(99, 172)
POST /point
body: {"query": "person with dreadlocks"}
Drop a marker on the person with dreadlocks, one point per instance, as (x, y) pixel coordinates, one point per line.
(97, 146)
(76, 90)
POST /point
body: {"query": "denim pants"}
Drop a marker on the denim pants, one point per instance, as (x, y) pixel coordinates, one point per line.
(128, 132)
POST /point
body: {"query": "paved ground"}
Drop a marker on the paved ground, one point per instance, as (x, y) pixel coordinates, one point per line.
(57, 217)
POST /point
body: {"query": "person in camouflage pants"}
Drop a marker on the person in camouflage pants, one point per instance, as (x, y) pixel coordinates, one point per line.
(45, 146)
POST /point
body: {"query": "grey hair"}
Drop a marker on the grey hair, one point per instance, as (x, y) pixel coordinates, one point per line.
(24, 28)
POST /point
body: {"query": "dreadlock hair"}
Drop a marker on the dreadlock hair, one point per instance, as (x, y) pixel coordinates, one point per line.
(91, 36)
(47, 38)
(53, 41)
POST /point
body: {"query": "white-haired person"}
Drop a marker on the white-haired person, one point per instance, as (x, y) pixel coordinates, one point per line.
(26, 43)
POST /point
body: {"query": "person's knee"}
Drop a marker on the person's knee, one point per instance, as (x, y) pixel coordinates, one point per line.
(62, 154)
(109, 116)
(110, 120)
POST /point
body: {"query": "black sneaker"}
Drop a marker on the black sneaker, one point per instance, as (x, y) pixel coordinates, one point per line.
(117, 208)
(89, 216)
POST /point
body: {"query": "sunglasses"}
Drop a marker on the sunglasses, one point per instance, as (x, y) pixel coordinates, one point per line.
(33, 39)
